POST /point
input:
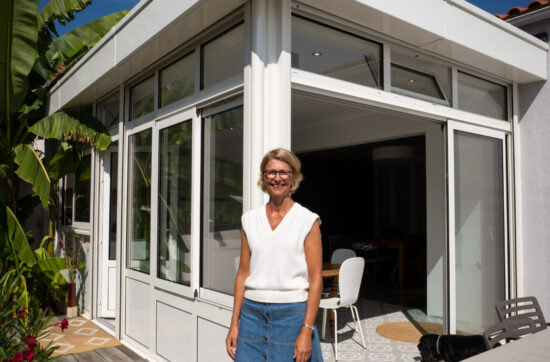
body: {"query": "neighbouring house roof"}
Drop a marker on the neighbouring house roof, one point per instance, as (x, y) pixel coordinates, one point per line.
(517, 10)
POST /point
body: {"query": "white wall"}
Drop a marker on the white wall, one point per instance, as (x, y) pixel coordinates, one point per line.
(320, 127)
(534, 127)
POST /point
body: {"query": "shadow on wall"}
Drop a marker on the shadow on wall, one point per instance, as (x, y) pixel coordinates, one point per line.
(529, 92)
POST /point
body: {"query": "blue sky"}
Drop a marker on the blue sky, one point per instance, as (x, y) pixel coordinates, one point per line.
(100, 8)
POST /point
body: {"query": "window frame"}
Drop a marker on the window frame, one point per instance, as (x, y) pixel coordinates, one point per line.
(445, 101)
(222, 299)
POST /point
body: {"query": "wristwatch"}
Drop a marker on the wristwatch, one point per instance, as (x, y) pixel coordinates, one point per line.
(309, 326)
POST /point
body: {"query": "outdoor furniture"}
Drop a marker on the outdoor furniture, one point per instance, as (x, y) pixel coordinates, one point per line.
(339, 255)
(349, 282)
(522, 307)
(511, 328)
(532, 348)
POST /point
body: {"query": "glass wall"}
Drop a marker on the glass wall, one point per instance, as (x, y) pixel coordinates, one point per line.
(83, 176)
(481, 96)
(139, 201)
(142, 98)
(108, 111)
(324, 50)
(223, 198)
(479, 230)
(174, 203)
(113, 200)
(222, 57)
(177, 81)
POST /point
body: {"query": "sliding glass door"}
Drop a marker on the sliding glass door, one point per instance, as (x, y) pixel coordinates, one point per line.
(477, 226)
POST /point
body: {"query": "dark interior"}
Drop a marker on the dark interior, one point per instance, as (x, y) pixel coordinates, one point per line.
(361, 196)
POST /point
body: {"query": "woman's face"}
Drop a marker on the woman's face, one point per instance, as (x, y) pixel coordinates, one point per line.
(277, 178)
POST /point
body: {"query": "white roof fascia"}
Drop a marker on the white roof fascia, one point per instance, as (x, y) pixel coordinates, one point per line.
(530, 17)
(149, 31)
(453, 29)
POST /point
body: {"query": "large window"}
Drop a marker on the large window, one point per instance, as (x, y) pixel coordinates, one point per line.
(177, 81)
(223, 198)
(222, 57)
(174, 203)
(139, 201)
(82, 190)
(142, 98)
(108, 111)
(324, 50)
(481, 96)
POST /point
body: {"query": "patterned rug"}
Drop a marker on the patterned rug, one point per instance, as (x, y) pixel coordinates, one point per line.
(372, 314)
(81, 336)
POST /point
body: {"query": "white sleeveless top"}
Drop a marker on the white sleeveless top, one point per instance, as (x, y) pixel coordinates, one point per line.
(278, 269)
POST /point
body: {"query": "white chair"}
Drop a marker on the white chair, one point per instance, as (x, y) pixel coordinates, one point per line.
(237, 262)
(351, 273)
(339, 255)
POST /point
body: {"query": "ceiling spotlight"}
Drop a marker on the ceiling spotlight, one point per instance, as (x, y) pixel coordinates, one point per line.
(316, 54)
(411, 80)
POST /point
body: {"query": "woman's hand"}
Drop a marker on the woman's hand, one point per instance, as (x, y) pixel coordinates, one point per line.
(302, 347)
(231, 341)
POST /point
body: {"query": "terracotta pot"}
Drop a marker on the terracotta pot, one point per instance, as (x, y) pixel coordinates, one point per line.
(71, 294)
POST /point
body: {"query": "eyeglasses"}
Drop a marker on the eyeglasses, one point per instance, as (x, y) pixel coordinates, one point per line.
(271, 174)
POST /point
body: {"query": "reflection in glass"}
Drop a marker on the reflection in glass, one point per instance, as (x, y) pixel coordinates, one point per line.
(223, 198)
(174, 203)
(113, 201)
(323, 50)
(177, 81)
(481, 96)
(480, 239)
(67, 214)
(82, 190)
(139, 199)
(108, 110)
(414, 81)
(223, 57)
(142, 98)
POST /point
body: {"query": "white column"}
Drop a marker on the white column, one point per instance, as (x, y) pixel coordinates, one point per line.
(269, 84)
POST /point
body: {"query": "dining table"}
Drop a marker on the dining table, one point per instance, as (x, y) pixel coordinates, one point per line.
(399, 244)
(530, 348)
(332, 272)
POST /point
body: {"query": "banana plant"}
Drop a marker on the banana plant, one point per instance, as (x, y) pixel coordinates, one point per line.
(31, 61)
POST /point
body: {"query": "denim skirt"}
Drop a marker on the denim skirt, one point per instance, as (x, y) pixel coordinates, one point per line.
(268, 331)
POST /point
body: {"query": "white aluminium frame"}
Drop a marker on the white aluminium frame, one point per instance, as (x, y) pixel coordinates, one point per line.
(453, 126)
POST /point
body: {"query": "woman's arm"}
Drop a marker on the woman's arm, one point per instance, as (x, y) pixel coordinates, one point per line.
(238, 296)
(314, 260)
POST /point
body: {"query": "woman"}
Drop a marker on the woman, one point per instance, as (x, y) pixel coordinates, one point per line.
(278, 284)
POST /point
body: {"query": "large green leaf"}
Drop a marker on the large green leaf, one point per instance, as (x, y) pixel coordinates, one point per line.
(18, 43)
(82, 38)
(65, 161)
(73, 126)
(11, 232)
(32, 170)
(60, 10)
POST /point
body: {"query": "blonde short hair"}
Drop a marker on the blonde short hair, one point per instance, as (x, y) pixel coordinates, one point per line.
(287, 157)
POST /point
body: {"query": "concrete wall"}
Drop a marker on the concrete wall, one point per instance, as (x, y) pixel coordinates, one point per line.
(534, 127)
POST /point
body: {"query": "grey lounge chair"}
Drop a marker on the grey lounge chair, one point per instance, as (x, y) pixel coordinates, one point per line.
(525, 307)
(508, 329)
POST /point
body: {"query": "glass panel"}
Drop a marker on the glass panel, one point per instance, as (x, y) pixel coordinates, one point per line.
(139, 198)
(479, 231)
(415, 81)
(82, 190)
(174, 249)
(223, 199)
(481, 96)
(323, 50)
(142, 98)
(223, 57)
(177, 81)
(108, 110)
(113, 210)
(68, 185)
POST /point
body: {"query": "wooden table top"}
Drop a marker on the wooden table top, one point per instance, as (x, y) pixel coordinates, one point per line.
(330, 270)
